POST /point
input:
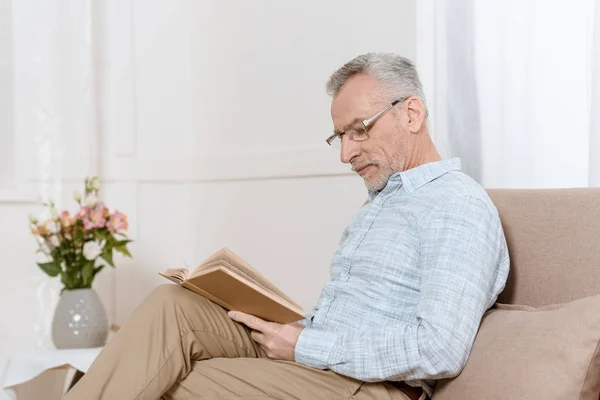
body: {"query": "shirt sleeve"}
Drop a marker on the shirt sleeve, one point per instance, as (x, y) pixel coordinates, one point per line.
(464, 264)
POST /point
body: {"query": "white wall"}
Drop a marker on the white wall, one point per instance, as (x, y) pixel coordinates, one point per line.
(215, 119)
(206, 121)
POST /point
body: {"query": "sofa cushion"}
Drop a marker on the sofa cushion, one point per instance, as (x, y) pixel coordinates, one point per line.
(522, 352)
(552, 237)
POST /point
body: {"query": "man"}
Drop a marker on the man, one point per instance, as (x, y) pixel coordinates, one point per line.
(415, 270)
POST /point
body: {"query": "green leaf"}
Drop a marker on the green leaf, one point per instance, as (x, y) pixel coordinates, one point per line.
(98, 269)
(68, 280)
(107, 255)
(121, 247)
(52, 268)
(123, 250)
(87, 273)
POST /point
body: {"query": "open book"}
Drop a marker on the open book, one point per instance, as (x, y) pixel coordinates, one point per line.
(229, 281)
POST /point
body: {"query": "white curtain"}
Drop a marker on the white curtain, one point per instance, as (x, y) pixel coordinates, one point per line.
(7, 139)
(55, 108)
(516, 89)
(48, 63)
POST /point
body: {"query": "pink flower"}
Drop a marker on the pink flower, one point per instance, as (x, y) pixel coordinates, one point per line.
(117, 222)
(94, 219)
(82, 213)
(100, 206)
(87, 225)
(66, 220)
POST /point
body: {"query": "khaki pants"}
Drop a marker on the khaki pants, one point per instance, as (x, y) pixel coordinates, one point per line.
(177, 345)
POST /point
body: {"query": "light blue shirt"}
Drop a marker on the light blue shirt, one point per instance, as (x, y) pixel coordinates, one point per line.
(415, 271)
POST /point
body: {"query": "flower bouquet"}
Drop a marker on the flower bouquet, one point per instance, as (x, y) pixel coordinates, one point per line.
(77, 247)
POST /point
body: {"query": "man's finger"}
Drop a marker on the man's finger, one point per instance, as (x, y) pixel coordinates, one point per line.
(258, 337)
(250, 321)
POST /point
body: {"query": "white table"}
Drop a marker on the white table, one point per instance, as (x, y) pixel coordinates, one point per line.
(38, 369)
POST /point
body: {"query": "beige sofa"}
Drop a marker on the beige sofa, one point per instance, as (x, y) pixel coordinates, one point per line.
(554, 243)
(550, 352)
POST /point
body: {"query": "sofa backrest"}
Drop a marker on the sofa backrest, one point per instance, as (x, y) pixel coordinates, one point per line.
(553, 238)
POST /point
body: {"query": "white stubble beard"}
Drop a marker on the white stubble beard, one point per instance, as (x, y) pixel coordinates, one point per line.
(384, 172)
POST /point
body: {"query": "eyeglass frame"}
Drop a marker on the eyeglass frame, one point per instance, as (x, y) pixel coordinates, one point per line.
(366, 123)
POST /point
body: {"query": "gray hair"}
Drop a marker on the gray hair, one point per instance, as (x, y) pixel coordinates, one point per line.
(398, 75)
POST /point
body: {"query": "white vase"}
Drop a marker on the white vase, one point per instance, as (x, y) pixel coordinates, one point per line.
(79, 320)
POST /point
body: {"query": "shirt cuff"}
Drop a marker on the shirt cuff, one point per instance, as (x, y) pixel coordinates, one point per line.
(314, 347)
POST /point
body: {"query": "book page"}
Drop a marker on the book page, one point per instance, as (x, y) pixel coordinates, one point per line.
(177, 275)
(237, 264)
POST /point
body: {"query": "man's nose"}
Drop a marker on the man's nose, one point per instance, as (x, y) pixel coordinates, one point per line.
(349, 150)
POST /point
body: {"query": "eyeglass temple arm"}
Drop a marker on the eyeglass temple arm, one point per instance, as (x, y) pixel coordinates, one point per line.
(369, 121)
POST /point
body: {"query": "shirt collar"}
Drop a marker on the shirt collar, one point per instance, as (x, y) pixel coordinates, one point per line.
(417, 177)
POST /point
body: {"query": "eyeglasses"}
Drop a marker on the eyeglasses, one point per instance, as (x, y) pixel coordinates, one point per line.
(359, 132)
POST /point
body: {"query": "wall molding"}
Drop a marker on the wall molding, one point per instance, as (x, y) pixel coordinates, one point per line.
(226, 166)
(301, 163)
(119, 96)
(18, 196)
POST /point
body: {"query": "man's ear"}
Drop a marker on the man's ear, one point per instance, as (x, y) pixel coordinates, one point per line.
(415, 110)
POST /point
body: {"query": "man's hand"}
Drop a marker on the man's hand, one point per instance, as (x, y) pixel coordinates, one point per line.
(278, 341)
